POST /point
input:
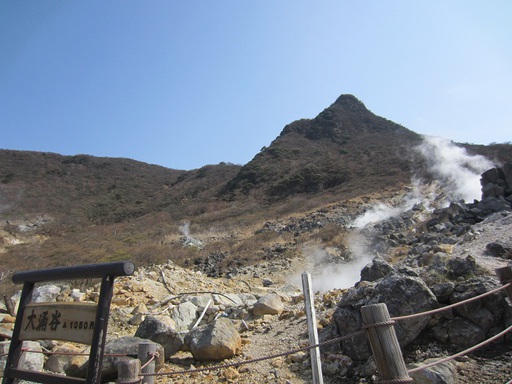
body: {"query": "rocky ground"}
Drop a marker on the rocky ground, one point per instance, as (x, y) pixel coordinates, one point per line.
(488, 365)
(272, 334)
(159, 289)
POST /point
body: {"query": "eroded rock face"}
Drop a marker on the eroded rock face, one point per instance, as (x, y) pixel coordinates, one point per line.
(461, 327)
(405, 295)
(376, 270)
(497, 182)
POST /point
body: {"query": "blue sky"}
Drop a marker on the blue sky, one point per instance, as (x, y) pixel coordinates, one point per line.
(183, 84)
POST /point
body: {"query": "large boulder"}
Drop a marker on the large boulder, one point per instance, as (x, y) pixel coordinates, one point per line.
(497, 182)
(62, 357)
(444, 373)
(215, 341)
(160, 330)
(495, 303)
(498, 249)
(119, 350)
(32, 361)
(376, 270)
(458, 332)
(347, 320)
(184, 315)
(475, 320)
(402, 294)
(270, 304)
(46, 293)
(405, 295)
(228, 300)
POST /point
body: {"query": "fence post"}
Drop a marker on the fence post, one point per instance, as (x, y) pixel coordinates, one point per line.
(146, 351)
(128, 371)
(384, 343)
(505, 276)
(309, 302)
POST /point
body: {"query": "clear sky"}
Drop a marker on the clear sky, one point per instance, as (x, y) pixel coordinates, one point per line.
(188, 83)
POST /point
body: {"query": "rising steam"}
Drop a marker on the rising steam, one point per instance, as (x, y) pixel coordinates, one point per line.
(458, 177)
(455, 169)
(185, 229)
(327, 274)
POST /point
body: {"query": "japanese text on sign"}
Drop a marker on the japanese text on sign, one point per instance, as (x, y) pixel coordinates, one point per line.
(59, 321)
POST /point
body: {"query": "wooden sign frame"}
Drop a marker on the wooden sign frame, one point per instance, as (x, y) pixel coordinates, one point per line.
(31, 315)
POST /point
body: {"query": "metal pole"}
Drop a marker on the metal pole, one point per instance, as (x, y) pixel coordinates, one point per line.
(309, 302)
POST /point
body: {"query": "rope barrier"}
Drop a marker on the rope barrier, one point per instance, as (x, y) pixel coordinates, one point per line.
(396, 381)
(431, 312)
(462, 353)
(306, 348)
(135, 381)
(72, 353)
(382, 324)
(250, 361)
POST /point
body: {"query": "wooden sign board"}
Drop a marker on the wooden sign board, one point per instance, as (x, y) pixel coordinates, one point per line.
(59, 321)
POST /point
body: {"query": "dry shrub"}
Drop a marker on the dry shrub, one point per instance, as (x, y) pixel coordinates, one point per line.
(331, 234)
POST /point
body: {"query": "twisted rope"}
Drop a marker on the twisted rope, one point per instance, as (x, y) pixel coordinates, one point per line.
(71, 353)
(396, 381)
(134, 381)
(381, 324)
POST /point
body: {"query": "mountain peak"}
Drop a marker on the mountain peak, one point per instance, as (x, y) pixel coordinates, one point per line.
(350, 102)
(347, 98)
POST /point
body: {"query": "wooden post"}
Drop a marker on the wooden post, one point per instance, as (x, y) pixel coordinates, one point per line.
(309, 302)
(145, 353)
(384, 343)
(128, 370)
(505, 276)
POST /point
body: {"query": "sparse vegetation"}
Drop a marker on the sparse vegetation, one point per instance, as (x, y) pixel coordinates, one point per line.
(104, 209)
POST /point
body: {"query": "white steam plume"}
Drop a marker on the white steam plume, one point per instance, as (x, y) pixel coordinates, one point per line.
(185, 229)
(377, 213)
(458, 171)
(380, 211)
(327, 274)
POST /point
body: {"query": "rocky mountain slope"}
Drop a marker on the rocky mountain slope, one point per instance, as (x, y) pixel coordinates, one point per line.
(441, 256)
(79, 209)
(357, 200)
